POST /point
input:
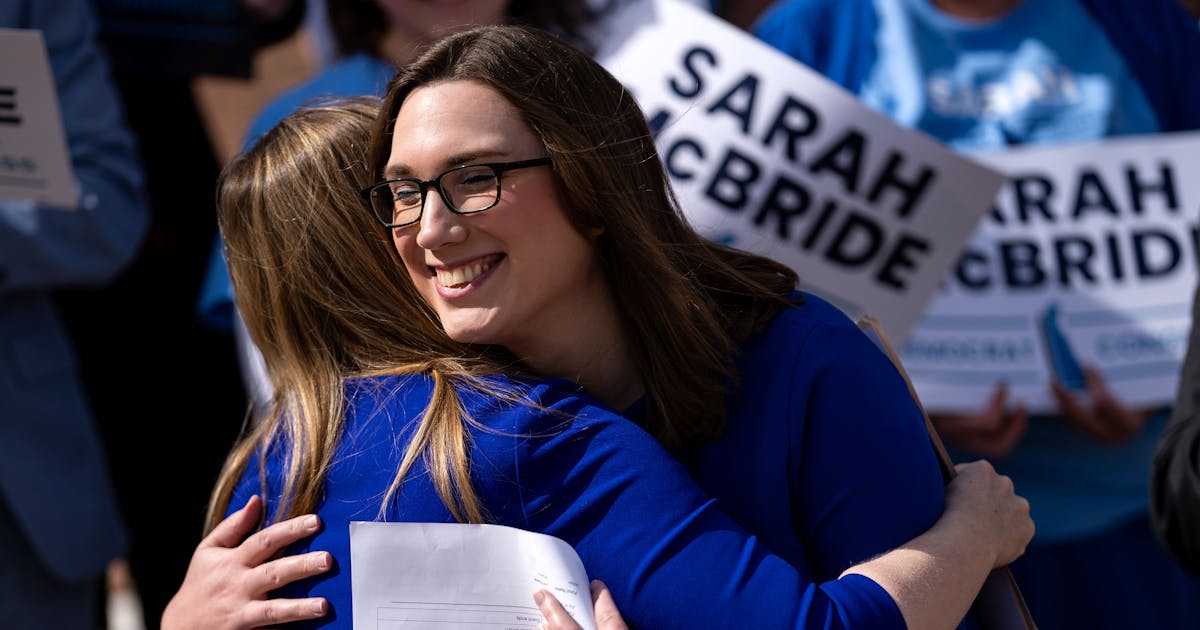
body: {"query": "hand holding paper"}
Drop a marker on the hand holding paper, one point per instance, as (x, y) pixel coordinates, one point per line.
(422, 575)
(557, 617)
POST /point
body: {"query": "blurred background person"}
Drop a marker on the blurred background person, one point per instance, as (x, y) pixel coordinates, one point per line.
(1094, 562)
(165, 398)
(60, 523)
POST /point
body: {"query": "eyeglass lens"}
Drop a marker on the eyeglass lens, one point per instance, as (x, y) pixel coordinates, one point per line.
(466, 190)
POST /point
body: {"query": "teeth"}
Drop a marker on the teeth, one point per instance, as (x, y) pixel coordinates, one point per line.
(462, 275)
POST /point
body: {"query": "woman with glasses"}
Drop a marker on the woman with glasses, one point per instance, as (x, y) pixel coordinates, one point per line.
(573, 271)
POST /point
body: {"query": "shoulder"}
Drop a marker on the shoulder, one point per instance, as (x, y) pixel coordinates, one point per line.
(1159, 13)
(1159, 41)
(1148, 26)
(541, 406)
(405, 389)
(356, 75)
(802, 24)
(377, 404)
(783, 11)
(813, 349)
(807, 324)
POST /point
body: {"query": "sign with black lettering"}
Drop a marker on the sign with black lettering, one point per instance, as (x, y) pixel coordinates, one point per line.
(1089, 256)
(769, 156)
(34, 163)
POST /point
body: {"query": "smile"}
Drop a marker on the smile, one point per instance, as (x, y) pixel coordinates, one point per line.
(460, 276)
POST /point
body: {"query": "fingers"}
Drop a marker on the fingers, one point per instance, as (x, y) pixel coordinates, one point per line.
(278, 573)
(233, 530)
(1100, 416)
(992, 432)
(980, 492)
(273, 612)
(607, 615)
(1009, 433)
(268, 542)
(1074, 413)
(557, 617)
(977, 467)
(1122, 422)
(995, 406)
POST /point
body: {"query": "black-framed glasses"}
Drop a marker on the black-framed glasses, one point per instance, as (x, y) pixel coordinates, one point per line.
(466, 189)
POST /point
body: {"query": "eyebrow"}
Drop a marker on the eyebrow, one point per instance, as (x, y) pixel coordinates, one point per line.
(402, 171)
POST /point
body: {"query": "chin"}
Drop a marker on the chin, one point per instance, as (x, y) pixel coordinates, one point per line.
(467, 332)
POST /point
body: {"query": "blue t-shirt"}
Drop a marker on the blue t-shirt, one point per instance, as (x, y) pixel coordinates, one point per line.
(1019, 79)
(1050, 71)
(825, 460)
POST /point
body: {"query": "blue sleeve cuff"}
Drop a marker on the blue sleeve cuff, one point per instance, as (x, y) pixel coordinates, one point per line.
(862, 603)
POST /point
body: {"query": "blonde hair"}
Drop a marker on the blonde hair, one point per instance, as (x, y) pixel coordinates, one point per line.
(325, 297)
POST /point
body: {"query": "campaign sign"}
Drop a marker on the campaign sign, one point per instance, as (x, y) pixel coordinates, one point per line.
(33, 149)
(1088, 257)
(769, 156)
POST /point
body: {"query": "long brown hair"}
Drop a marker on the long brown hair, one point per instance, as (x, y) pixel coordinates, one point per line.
(325, 297)
(684, 301)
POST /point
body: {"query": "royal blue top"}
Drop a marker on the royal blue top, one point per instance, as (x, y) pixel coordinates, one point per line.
(825, 459)
(822, 445)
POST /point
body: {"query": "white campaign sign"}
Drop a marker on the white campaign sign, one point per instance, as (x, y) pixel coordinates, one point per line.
(33, 149)
(769, 156)
(1090, 256)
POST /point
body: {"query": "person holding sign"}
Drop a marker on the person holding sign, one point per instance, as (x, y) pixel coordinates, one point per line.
(527, 152)
(60, 524)
(984, 76)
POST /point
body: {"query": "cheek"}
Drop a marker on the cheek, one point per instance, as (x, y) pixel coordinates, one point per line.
(414, 263)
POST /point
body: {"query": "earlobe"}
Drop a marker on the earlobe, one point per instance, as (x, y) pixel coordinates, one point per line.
(594, 232)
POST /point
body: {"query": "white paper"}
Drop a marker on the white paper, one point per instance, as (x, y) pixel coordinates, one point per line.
(767, 155)
(446, 575)
(33, 150)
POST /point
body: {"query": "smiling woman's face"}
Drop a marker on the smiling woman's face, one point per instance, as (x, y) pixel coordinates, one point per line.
(515, 275)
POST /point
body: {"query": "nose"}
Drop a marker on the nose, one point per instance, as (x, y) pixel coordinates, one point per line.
(439, 226)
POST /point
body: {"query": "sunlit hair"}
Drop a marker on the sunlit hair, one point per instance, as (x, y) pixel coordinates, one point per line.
(325, 297)
(684, 301)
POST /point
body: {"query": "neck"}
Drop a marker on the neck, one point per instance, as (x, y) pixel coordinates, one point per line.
(976, 9)
(590, 349)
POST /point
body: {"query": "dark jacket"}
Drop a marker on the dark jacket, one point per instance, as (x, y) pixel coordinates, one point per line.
(1175, 473)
